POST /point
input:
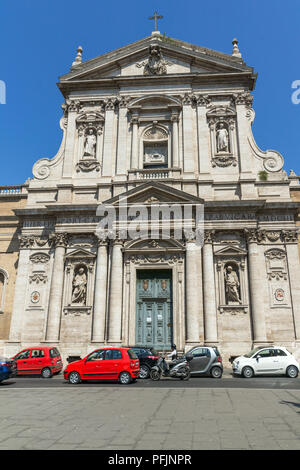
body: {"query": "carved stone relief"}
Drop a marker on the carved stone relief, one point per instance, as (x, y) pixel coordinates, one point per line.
(277, 274)
(155, 64)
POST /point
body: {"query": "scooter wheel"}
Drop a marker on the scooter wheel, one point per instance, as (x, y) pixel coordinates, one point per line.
(187, 375)
(154, 375)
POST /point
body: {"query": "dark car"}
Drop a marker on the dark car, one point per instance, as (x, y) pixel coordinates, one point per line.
(8, 368)
(206, 361)
(147, 358)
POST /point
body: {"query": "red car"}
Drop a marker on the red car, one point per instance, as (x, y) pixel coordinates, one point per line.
(45, 361)
(120, 364)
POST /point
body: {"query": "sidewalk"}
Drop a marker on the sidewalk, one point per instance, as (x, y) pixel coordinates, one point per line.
(165, 418)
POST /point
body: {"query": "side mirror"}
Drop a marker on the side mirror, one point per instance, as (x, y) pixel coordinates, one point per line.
(258, 357)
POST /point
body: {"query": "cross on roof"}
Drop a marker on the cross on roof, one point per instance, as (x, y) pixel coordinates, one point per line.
(155, 17)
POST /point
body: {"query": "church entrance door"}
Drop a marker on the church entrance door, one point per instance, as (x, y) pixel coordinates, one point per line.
(154, 316)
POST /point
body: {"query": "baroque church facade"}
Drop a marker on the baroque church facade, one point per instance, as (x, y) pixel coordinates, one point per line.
(158, 122)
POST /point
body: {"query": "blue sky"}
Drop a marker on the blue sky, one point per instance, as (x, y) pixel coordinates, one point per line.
(39, 41)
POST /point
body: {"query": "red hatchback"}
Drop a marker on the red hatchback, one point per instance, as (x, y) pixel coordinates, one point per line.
(107, 363)
(45, 361)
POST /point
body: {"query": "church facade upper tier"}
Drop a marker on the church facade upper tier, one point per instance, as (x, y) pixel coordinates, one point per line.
(158, 109)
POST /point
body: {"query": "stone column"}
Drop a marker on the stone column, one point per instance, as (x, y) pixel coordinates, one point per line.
(188, 140)
(107, 163)
(175, 141)
(122, 138)
(115, 303)
(291, 242)
(20, 289)
(193, 292)
(68, 162)
(100, 292)
(257, 286)
(243, 102)
(56, 288)
(135, 143)
(203, 135)
(209, 292)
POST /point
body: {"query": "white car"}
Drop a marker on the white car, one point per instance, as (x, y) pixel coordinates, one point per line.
(274, 360)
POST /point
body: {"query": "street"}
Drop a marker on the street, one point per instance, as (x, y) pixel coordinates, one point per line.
(227, 381)
(203, 413)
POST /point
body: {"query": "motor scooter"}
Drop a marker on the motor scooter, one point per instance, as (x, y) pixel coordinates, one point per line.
(176, 369)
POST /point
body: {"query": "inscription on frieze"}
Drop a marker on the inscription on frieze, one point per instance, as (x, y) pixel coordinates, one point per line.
(248, 216)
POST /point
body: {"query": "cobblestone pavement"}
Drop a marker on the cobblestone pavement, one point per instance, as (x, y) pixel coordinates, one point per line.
(120, 418)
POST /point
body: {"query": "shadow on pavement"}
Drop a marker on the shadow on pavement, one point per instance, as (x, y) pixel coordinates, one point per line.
(296, 405)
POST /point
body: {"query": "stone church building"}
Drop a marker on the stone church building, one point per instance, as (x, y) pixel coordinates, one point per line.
(158, 122)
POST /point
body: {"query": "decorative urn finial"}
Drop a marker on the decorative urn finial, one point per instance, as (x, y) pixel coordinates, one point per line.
(78, 59)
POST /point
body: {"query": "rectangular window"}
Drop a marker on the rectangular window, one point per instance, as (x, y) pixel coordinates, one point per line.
(113, 354)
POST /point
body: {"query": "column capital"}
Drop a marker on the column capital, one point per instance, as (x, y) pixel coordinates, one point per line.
(290, 236)
(123, 101)
(243, 99)
(190, 237)
(110, 105)
(59, 239)
(203, 100)
(175, 117)
(134, 119)
(209, 236)
(255, 235)
(188, 99)
(26, 241)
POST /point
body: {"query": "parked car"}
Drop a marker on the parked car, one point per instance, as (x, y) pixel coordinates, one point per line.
(206, 361)
(44, 361)
(274, 360)
(147, 357)
(8, 368)
(120, 364)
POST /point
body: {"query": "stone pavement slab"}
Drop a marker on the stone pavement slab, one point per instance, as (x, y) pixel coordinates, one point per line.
(141, 418)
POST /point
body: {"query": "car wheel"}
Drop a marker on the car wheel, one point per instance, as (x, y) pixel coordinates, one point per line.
(292, 372)
(144, 372)
(46, 373)
(74, 378)
(154, 375)
(125, 378)
(216, 372)
(247, 372)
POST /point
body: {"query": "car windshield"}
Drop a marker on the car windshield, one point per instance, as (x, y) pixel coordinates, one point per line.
(253, 351)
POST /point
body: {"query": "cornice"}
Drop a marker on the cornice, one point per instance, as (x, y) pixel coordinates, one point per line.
(243, 78)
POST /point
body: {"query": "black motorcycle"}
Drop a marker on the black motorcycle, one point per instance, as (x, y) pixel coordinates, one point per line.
(176, 369)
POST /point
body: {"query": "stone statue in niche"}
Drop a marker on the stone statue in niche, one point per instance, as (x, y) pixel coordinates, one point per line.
(222, 139)
(79, 287)
(90, 144)
(232, 286)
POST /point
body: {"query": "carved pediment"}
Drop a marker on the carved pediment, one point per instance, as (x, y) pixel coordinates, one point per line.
(221, 111)
(80, 254)
(231, 251)
(156, 56)
(150, 245)
(154, 193)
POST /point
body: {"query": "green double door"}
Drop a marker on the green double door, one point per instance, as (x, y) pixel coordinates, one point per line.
(154, 318)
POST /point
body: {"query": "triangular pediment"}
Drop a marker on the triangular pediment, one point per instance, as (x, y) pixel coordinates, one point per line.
(179, 58)
(154, 193)
(79, 254)
(231, 250)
